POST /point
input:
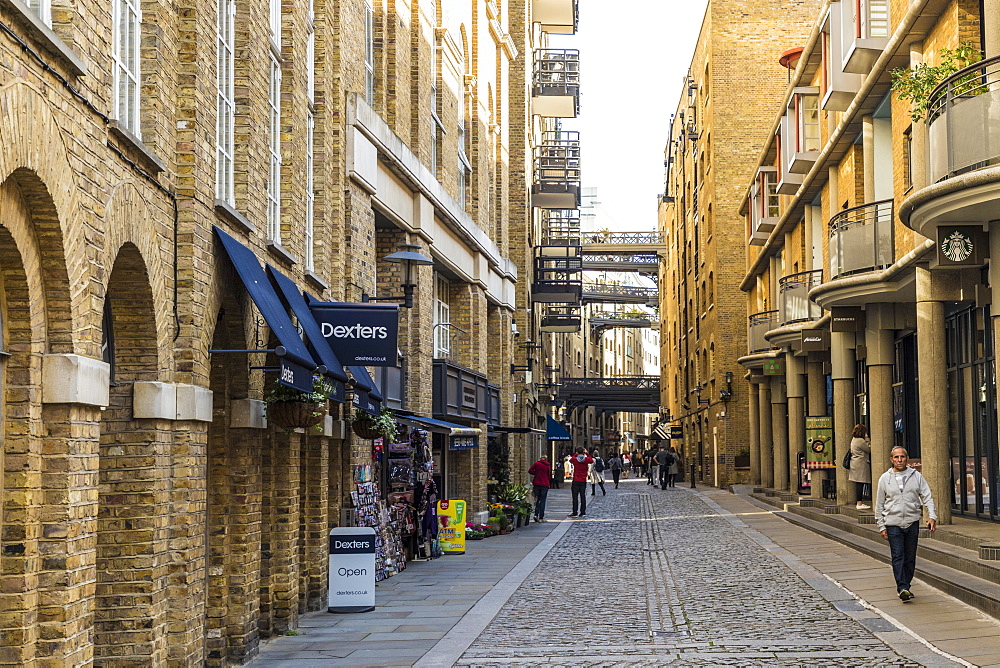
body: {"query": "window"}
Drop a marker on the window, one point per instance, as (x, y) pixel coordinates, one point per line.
(310, 256)
(442, 314)
(436, 129)
(127, 18)
(464, 168)
(43, 9)
(225, 102)
(275, 22)
(274, 155)
(369, 54)
(908, 158)
(807, 130)
(874, 18)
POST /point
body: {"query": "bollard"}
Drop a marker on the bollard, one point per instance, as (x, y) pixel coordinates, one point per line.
(692, 476)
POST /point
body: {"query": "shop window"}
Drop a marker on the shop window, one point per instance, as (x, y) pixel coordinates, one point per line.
(908, 158)
(127, 19)
(905, 397)
(225, 99)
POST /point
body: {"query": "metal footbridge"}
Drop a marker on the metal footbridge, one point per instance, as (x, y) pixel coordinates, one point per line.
(633, 394)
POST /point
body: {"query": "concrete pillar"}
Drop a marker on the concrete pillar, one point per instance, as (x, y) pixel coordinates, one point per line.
(879, 342)
(795, 387)
(754, 410)
(994, 278)
(868, 155)
(766, 444)
(816, 405)
(779, 432)
(842, 362)
(933, 388)
(990, 19)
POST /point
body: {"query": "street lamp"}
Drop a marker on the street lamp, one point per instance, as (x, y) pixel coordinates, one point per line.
(407, 255)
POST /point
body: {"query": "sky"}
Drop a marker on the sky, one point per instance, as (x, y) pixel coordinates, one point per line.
(634, 55)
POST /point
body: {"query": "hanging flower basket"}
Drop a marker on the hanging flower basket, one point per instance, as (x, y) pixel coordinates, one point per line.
(365, 429)
(294, 414)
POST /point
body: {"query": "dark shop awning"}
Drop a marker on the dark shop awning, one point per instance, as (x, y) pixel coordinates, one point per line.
(555, 431)
(292, 296)
(366, 393)
(442, 427)
(250, 272)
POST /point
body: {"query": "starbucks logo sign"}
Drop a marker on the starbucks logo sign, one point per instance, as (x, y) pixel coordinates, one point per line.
(957, 247)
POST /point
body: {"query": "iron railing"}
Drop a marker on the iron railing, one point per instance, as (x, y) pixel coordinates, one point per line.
(598, 292)
(638, 238)
(557, 161)
(557, 72)
(963, 121)
(631, 382)
(793, 297)
(760, 323)
(561, 227)
(861, 239)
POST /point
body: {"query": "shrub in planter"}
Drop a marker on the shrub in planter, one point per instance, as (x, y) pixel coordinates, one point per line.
(382, 425)
(289, 408)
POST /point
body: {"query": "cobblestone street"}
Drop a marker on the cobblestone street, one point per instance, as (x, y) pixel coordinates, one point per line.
(649, 578)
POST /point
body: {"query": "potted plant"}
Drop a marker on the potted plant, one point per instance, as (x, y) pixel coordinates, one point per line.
(523, 509)
(742, 460)
(374, 426)
(289, 408)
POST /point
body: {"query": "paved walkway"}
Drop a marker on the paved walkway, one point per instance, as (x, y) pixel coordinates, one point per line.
(649, 577)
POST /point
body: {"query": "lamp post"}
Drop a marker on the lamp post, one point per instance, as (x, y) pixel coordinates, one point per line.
(407, 255)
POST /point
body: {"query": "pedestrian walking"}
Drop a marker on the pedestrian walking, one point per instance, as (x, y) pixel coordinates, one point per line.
(637, 464)
(595, 476)
(663, 461)
(617, 466)
(901, 492)
(542, 477)
(861, 465)
(626, 465)
(649, 457)
(559, 472)
(580, 466)
(673, 467)
(568, 467)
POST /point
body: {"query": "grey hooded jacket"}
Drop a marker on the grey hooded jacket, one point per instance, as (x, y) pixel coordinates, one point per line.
(894, 507)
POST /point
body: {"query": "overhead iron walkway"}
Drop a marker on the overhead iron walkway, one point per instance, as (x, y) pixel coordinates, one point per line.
(630, 394)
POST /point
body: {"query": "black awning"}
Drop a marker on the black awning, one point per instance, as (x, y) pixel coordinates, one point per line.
(249, 270)
(513, 430)
(293, 298)
(366, 393)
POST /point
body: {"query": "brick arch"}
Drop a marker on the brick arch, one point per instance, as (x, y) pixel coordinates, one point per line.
(35, 157)
(130, 238)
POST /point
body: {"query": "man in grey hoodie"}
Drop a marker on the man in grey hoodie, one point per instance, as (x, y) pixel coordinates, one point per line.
(901, 492)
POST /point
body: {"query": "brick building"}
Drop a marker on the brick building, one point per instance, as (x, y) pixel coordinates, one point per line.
(150, 514)
(732, 82)
(868, 289)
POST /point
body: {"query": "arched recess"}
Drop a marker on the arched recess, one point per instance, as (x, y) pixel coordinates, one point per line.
(134, 478)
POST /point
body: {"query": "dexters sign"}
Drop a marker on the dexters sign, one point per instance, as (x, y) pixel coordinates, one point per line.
(352, 569)
(360, 334)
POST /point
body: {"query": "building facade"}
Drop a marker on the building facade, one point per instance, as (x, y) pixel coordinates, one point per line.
(174, 179)
(868, 287)
(716, 130)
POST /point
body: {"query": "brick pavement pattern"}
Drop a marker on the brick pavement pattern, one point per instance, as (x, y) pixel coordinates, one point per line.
(692, 604)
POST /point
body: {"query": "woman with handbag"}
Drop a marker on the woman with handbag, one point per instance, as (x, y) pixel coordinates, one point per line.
(861, 465)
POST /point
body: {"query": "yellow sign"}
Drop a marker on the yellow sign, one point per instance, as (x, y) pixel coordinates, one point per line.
(451, 532)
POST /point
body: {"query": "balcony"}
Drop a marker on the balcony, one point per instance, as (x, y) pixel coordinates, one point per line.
(760, 324)
(839, 86)
(861, 239)
(557, 171)
(561, 227)
(963, 117)
(764, 207)
(800, 140)
(555, 90)
(557, 17)
(866, 33)
(561, 319)
(558, 278)
(793, 297)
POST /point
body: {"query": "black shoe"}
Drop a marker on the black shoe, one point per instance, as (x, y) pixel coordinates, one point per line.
(905, 595)
(572, 515)
(583, 514)
(604, 492)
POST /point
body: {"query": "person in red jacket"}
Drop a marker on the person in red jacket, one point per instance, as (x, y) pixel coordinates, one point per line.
(542, 472)
(580, 462)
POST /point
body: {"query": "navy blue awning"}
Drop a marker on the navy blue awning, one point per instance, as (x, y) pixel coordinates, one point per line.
(442, 427)
(366, 393)
(317, 342)
(250, 272)
(555, 431)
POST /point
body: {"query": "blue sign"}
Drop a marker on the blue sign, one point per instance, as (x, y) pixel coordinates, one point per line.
(294, 375)
(463, 443)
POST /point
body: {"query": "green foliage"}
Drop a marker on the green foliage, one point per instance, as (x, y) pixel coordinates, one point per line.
(511, 494)
(916, 83)
(384, 423)
(278, 393)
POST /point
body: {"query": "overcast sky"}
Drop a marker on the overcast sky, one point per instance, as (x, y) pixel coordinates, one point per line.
(634, 55)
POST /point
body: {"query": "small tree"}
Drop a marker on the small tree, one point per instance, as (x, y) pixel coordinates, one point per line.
(918, 82)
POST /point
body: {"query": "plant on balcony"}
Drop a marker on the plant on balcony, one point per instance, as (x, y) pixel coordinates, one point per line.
(289, 408)
(382, 425)
(918, 82)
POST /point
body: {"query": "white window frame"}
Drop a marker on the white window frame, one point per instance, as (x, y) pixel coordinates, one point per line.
(274, 22)
(802, 135)
(226, 104)
(43, 9)
(125, 55)
(442, 314)
(369, 53)
(274, 154)
(310, 254)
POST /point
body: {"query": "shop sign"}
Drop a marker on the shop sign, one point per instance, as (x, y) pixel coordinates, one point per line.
(676, 431)
(819, 443)
(352, 570)
(360, 334)
(294, 375)
(595, 438)
(774, 367)
(451, 532)
(960, 246)
(814, 340)
(463, 442)
(846, 319)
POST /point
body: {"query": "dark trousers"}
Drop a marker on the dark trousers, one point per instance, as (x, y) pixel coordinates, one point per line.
(579, 491)
(671, 479)
(541, 492)
(903, 548)
(663, 476)
(557, 479)
(615, 475)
